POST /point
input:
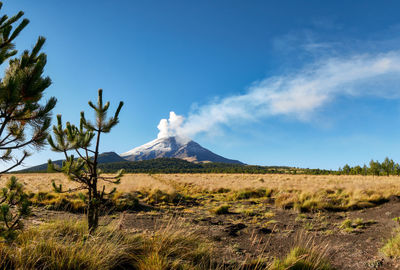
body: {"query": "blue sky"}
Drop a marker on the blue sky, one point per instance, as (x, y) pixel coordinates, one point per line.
(298, 83)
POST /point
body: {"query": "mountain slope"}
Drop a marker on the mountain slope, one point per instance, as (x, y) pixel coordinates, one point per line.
(106, 157)
(175, 147)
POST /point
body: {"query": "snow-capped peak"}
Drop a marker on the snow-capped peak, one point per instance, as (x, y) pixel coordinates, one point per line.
(174, 147)
(160, 145)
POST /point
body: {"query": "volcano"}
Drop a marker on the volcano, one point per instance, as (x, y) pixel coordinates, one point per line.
(175, 147)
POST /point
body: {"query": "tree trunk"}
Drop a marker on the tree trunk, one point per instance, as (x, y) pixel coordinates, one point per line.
(91, 217)
(93, 211)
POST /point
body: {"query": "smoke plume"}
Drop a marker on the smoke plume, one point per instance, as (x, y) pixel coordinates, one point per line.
(296, 95)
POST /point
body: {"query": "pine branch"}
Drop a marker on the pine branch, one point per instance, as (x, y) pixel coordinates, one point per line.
(17, 163)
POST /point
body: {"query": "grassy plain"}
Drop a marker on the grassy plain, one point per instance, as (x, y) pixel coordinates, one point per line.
(210, 182)
(222, 221)
(303, 192)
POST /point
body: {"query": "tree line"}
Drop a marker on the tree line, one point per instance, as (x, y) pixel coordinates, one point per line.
(175, 165)
(387, 167)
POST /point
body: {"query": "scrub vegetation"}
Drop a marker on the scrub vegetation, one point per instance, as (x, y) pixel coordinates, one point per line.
(223, 221)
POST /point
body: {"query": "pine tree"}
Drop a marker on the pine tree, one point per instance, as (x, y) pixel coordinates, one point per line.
(346, 169)
(388, 166)
(396, 169)
(14, 205)
(375, 167)
(23, 120)
(364, 170)
(84, 169)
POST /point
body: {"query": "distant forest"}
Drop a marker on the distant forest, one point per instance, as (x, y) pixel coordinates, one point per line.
(387, 167)
(175, 165)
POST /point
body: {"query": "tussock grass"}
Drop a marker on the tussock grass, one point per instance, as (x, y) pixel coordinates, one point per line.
(300, 258)
(157, 196)
(221, 210)
(303, 192)
(392, 246)
(327, 199)
(176, 246)
(299, 192)
(74, 202)
(351, 225)
(67, 245)
(304, 255)
(249, 193)
(70, 202)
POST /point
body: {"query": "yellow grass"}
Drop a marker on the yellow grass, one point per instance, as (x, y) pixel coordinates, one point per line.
(301, 192)
(36, 182)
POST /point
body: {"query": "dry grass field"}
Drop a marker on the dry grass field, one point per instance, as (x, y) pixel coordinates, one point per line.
(298, 191)
(36, 182)
(234, 221)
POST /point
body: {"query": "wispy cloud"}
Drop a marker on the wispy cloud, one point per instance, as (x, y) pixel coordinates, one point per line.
(298, 94)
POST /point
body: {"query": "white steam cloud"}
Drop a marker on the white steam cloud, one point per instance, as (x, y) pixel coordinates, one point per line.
(170, 127)
(297, 95)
